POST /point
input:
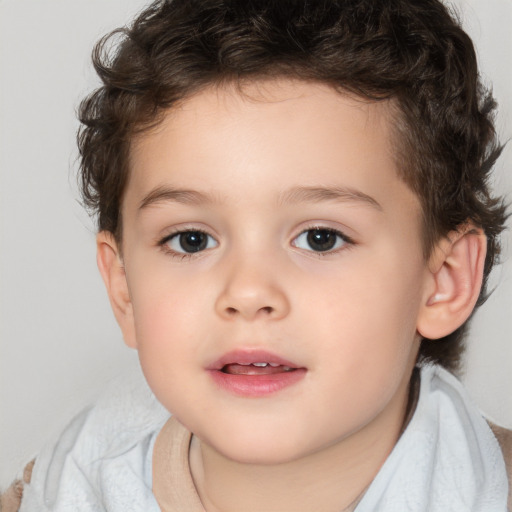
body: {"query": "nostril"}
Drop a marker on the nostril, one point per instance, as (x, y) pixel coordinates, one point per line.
(231, 311)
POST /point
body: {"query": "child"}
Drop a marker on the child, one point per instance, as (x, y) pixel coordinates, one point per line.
(294, 228)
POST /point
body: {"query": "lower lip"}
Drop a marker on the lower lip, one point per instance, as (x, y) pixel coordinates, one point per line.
(257, 385)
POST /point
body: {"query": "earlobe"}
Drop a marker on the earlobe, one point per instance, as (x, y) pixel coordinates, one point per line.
(454, 282)
(112, 271)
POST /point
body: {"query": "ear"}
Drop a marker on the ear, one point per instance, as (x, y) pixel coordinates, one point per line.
(112, 271)
(454, 282)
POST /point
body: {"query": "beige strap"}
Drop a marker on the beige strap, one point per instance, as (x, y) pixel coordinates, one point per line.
(504, 437)
(10, 500)
(173, 486)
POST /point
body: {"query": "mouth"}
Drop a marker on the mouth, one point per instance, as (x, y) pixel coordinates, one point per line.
(255, 373)
(255, 368)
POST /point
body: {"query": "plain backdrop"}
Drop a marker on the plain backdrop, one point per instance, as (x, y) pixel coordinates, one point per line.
(59, 344)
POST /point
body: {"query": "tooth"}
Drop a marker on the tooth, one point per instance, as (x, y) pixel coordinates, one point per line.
(286, 369)
(262, 365)
(244, 364)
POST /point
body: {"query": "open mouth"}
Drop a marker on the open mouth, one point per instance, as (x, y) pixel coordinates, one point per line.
(255, 368)
(255, 373)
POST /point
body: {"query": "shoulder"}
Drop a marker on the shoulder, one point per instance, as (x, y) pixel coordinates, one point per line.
(504, 437)
(94, 456)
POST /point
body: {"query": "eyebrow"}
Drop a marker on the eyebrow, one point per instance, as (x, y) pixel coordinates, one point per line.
(321, 194)
(165, 194)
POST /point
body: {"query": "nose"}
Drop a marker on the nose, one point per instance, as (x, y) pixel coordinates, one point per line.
(252, 291)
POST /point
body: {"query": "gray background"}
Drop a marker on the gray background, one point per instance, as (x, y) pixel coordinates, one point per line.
(59, 344)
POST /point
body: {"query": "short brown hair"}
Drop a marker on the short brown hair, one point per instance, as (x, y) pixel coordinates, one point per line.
(413, 52)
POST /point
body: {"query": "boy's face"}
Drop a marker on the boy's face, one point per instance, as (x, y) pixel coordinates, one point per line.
(271, 227)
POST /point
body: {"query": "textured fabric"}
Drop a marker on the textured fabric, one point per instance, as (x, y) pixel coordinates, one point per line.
(103, 459)
(447, 459)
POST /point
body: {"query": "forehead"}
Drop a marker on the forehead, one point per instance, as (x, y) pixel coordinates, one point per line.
(261, 102)
(268, 136)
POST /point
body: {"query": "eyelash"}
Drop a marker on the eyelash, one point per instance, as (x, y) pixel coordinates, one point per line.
(347, 242)
(163, 243)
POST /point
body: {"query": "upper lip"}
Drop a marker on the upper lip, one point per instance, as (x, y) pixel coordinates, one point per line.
(248, 356)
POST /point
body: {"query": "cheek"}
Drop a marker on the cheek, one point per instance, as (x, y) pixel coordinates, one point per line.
(367, 345)
(367, 318)
(167, 319)
(167, 344)
(164, 301)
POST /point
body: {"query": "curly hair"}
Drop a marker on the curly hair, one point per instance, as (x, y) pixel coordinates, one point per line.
(411, 52)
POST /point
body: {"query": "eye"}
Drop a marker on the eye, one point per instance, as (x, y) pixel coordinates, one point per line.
(320, 240)
(189, 242)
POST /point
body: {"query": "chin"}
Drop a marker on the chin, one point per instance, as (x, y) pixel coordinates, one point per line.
(259, 451)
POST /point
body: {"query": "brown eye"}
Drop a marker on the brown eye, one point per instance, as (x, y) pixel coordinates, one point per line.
(190, 242)
(320, 240)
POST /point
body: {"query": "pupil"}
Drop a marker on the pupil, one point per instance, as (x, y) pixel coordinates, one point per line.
(193, 241)
(321, 239)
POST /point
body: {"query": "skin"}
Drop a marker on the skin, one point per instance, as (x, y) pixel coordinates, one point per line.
(351, 316)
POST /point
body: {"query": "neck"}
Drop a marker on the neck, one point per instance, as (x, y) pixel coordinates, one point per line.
(283, 487)
(332, 479)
